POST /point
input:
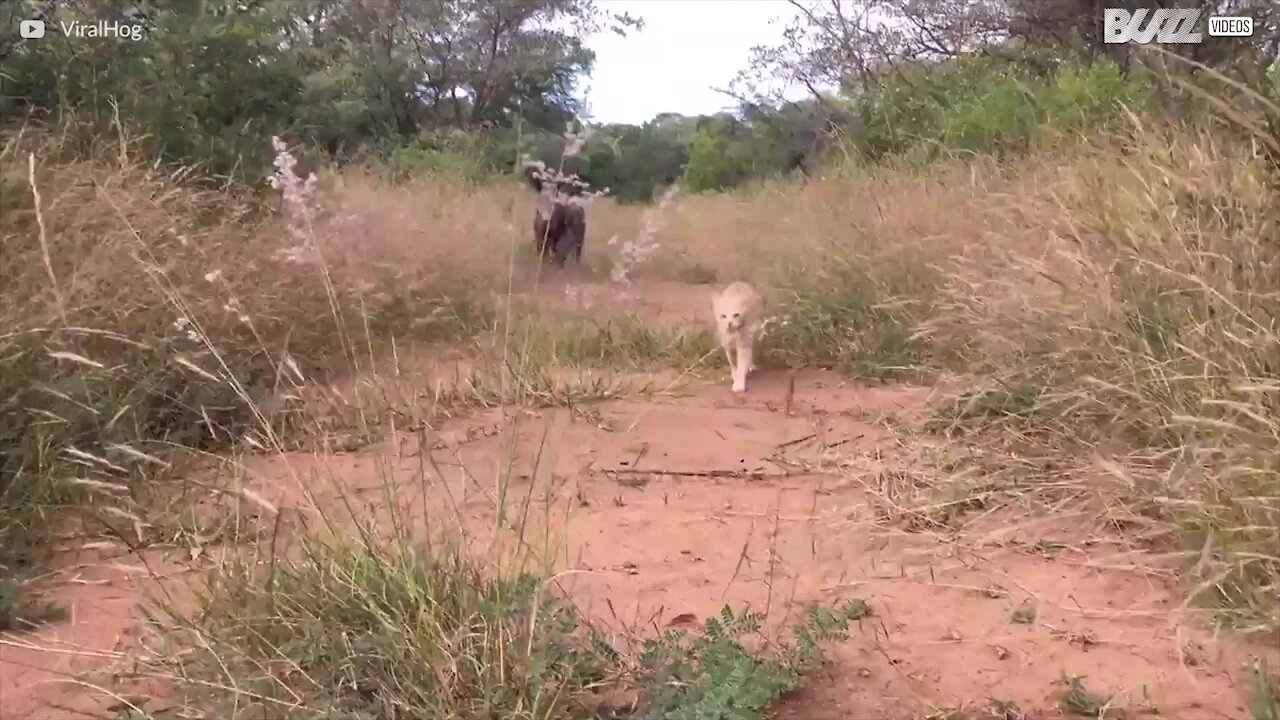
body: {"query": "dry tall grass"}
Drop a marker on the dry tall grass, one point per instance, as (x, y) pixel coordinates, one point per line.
(145, 313)
(1119, 302)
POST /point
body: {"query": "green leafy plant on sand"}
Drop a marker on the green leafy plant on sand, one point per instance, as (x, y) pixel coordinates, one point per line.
(713, 676)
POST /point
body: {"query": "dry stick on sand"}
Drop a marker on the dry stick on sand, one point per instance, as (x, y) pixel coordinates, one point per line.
(797, 441)
(753, 474)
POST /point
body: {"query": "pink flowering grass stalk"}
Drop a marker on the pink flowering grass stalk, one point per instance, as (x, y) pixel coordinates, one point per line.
(631, 254)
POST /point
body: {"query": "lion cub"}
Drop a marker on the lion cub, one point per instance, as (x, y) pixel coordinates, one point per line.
(739, 313)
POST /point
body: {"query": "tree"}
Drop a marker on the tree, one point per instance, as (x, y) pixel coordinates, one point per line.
(717, 156)
(212, 77)
(849, 46)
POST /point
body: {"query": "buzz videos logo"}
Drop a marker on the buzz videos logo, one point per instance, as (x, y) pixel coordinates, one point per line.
(31, 29)
(1169, 25)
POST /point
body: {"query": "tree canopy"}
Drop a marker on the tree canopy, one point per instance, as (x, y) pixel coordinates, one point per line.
(473, 85)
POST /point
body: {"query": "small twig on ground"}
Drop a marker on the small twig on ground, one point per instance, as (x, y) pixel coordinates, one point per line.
(797, 441)
(845, 441)
(753, 474)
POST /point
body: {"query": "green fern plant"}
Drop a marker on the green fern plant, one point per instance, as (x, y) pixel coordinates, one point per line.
(713, 676)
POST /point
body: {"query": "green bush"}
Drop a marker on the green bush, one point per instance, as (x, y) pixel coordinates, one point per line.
(977, 105)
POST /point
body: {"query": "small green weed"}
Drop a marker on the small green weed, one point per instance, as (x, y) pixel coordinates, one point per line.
(1264, 691)
(1076, 700)
(18, 612)
(1024, 614)
(697, 274)
(1018, 401)
(622, 342)
(848, 318)
(713, 676)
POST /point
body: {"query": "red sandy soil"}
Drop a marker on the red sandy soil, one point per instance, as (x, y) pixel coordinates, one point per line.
(674, 504)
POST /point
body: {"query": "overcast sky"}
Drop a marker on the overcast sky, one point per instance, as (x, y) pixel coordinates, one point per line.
(686, 47)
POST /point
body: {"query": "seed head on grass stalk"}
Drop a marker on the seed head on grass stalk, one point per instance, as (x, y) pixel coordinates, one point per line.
(300, 200)
(301, 208)
(636, 251)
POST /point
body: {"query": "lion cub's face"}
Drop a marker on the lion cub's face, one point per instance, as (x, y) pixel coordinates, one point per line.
(736, 307)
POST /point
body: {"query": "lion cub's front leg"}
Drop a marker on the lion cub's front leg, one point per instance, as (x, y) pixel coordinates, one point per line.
(742, 368)
(747, 355)
(732, 347)
(752, 335)
(726, 344)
